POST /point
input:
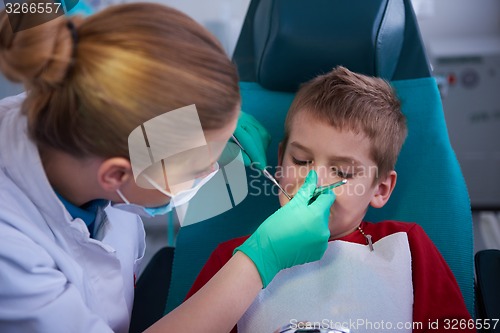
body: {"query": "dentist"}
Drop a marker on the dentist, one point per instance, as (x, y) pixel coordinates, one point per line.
(69, 244)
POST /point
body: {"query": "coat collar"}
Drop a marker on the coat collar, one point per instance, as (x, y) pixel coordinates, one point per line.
(20, 160)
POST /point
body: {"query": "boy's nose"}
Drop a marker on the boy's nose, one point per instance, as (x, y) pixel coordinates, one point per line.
(323, 175)
(326, 175)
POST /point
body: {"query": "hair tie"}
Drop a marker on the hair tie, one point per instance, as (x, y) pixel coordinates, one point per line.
(74, 36)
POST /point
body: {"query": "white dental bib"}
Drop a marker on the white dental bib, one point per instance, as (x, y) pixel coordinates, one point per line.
(350, 285)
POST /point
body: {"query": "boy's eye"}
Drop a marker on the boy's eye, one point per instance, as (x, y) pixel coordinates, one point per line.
(341, 174)
(299, 162)
(345, 175)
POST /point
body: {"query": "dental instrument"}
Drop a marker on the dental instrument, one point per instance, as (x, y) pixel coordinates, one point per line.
(275, 182)
(237, 142)
(325, 188)
(265, 172)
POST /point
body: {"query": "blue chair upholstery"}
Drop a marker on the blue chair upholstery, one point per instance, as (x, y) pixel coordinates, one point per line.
(286, 42)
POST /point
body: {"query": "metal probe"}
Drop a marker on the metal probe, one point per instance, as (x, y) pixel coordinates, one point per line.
(265, 172)
(275, 182)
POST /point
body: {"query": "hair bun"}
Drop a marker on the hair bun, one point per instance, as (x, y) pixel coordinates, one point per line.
(39, 56)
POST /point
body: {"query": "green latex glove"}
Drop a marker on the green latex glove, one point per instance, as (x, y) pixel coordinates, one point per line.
(295, 234)
(254, 138)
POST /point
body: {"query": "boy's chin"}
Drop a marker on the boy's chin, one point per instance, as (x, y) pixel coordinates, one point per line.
(283, 200)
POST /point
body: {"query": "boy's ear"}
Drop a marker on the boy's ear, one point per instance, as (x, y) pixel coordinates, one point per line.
(383, 190)
(113, 173)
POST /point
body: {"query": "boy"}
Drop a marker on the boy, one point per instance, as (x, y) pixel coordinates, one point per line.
(374, 276)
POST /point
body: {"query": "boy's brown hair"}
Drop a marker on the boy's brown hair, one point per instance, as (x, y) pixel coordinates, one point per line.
(358, 103)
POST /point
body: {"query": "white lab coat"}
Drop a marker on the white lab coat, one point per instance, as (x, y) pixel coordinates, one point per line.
(53, 277)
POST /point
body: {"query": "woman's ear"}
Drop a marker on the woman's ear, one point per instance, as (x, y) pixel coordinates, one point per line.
(383, 190)
(113, 173)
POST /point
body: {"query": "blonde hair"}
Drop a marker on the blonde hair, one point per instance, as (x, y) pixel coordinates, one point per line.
(358, 103)
(130, 63)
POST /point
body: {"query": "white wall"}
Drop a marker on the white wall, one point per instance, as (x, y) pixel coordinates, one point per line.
(441, 19)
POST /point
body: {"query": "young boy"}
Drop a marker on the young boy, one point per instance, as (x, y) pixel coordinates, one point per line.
(374, 276)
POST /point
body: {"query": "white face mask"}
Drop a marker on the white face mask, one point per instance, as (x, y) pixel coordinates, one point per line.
(177, 199)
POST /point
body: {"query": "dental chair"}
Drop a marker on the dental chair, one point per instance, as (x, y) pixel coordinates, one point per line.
(286, 42)
(487, 263)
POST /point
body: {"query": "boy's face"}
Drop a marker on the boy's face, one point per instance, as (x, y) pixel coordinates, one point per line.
(334, 155)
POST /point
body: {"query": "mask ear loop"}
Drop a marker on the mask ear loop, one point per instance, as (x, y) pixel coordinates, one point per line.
(120, 194)
(156, 186)
(216, 167)
(159, 188)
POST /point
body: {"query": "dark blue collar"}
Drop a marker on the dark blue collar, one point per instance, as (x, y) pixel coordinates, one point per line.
(86, 212)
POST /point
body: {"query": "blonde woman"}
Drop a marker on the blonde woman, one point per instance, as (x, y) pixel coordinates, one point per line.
(69, 246)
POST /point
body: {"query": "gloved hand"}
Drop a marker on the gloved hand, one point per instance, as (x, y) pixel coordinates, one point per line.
(254, 138)
(295, 234)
